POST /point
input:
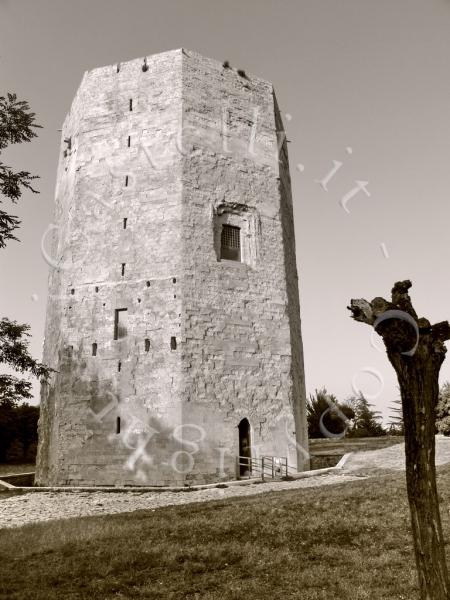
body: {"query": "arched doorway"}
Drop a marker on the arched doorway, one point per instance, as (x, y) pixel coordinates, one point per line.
(244, 447)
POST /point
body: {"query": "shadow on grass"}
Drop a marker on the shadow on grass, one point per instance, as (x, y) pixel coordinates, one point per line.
(348, 541)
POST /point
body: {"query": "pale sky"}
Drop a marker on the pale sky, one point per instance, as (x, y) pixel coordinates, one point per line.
(363, 82)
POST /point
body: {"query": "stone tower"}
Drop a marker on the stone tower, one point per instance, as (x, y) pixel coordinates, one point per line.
(173, 317)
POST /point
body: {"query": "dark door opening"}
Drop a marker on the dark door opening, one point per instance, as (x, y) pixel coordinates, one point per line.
(245, 453)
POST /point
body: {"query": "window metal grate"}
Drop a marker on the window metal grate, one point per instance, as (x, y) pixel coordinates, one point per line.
(230, 242)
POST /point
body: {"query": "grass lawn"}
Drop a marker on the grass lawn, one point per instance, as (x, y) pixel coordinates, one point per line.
(351, 541)
(344, 445)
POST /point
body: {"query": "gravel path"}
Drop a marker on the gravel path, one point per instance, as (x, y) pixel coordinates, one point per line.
(45, 506)
(392, 457)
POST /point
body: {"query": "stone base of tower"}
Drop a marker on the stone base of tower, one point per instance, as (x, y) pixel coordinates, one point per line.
(201, 450)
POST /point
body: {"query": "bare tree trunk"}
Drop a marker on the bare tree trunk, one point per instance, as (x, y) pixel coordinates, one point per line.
(416, 350)
(419, 397)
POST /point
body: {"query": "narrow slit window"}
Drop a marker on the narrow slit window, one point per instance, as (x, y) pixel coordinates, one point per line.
(230, 243)
(129, 141)
(94, 349)
(126, 180)
(131, 104)
(96, 289)
(123, 269)
(147, 345)
(120, 323)
(125, 223)
(119, 366)
(173, 343)
(118, 425)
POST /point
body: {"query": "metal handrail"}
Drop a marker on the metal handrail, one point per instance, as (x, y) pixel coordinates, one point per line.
(264, 466)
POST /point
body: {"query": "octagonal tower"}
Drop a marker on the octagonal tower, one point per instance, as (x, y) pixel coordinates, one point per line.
(173, 317)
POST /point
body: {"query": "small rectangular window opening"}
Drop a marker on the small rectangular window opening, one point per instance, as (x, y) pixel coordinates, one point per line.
(131, 103)
(123, 269)
(94, 349)
(120, 323)
(129, 141)
(72, 291)
(230, 243)
(147, 345)
(96, 288)
(119, 366)
(118, 425)
(173, 343)
(125, 223)
(126, 180)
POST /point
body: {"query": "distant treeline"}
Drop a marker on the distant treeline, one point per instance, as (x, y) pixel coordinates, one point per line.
(18, 433)
(329, 418)
(18, 423)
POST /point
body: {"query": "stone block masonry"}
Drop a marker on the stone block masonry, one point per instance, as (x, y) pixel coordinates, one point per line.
(173, 317)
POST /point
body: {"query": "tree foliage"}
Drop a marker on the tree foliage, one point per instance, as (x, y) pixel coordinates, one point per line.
(366, 422)
(396, 425)
(443, 410)
(14, 353)
(322, 405)
(17, 124)
(18, 433)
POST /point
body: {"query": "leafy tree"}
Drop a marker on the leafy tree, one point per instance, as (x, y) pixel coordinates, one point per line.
(396, 425)
(18, 432)
(17, 124)
(7, 429)
(443, 410)
(366, 422)
(14, 353)
(322, 405)
(26, 426)
(14, 453)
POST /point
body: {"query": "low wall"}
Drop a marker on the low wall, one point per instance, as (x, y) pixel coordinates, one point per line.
(19, 479)
(323, 461)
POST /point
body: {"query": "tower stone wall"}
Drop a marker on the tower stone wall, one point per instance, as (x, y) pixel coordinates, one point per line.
(161, 346)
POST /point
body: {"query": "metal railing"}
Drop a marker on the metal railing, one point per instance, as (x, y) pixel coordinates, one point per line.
(269, 467)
